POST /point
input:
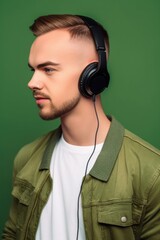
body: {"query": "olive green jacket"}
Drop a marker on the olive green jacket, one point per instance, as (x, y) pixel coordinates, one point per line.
(120, 195)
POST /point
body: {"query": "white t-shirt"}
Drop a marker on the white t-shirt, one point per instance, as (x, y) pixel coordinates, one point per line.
(58, 220)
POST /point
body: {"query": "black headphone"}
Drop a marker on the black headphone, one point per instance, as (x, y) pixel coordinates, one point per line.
(95, 77)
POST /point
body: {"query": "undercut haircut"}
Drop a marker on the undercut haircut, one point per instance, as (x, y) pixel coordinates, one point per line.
(72, 23)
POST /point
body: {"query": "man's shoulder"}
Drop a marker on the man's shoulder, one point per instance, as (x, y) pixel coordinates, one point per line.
(142, 160)
(36, 146)
(140, 146)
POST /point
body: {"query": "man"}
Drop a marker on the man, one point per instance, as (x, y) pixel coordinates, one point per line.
(90, 178)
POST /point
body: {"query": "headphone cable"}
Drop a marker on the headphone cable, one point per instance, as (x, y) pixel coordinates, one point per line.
(86, 168)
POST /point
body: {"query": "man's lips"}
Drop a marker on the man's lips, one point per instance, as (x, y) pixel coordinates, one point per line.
(41, 99)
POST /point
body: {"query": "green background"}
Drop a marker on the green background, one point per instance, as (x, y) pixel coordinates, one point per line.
(133, 96)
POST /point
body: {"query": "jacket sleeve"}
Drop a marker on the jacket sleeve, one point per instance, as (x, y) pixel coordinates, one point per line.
(12, 229)
(9, 232)
(151, 221)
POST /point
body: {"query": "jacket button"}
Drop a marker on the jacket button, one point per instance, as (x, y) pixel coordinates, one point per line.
(123, 219)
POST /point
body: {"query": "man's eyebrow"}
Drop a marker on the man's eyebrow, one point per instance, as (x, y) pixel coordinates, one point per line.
(41, 65)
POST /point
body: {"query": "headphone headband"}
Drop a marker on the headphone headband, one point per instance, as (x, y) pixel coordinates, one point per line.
(96, 77)
(96, 31)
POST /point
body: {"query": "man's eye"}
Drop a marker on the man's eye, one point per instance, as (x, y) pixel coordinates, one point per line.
(48, 70)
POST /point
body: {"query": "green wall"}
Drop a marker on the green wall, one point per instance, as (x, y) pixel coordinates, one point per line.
(134, 65)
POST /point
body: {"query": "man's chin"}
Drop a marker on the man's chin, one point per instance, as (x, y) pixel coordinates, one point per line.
(47, 117)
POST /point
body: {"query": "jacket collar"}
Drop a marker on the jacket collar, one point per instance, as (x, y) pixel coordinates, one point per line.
(106, 160)
(55, 136)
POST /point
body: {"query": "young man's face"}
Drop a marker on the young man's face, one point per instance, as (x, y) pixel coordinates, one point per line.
(57, 62)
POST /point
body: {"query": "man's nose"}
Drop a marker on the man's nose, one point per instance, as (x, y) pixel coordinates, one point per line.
(35, 82)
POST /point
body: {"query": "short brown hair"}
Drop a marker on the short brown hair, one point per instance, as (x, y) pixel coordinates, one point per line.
(74, 24)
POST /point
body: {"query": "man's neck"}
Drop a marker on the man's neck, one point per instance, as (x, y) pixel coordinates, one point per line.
(79, 128)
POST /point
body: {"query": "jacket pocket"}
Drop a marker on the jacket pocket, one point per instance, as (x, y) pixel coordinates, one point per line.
(120, 214)
(22, 192)
(120, 219)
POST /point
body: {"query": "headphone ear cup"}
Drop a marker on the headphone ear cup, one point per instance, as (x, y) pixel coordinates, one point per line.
(85, 79)
(92, 81)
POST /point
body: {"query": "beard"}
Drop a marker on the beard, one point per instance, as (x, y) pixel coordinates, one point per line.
(52, 112)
